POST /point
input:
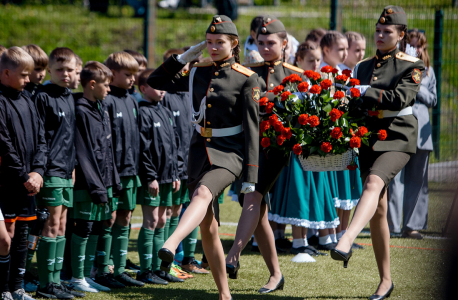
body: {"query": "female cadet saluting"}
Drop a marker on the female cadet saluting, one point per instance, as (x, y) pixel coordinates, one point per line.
(272, 40)
(226, 95)
(390, 81)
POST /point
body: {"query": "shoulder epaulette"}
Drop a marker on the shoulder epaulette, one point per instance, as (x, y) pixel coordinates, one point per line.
(241, 69)
(294, 68)
(366, 59)
(254, 65)
(406, 57)
(203, 64)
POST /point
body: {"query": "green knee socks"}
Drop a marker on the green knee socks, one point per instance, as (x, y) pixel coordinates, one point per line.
(78, 256)
(28, 263)
(120, 245)
(91, 249)
(46, 258)
(166, 228)
(145, 248)
(190, 242)
(103, 250)
(60, 249)
(158, 242)
(173, 225)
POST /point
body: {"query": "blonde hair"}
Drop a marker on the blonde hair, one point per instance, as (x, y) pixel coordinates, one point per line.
(354, 36)
(40, 58)
(122, 60)
(79, 61)
(15, 57)
(2, 49)
(140, 58)
(93, 70)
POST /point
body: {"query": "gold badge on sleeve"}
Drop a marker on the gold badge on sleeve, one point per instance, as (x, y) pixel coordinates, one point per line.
(256, 94)
(416, 75)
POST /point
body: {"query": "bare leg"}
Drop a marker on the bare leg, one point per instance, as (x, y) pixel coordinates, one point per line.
(214, 252)
(266, 243)
(340, 215)
(5, 240)
(345, 219)
(52, 224)
(63, 221)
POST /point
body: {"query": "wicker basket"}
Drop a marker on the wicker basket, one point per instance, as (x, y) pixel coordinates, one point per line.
(332, 162)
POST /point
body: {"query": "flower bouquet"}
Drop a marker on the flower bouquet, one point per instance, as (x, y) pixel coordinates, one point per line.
(314, 119)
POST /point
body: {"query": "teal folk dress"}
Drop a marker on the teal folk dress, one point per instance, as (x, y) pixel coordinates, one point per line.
(349, 189)
(303, 198)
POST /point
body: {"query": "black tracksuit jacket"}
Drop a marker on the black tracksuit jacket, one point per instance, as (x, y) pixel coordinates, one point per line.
(96, 169)
(31, 90)
(56, 108)
(123, 111)
(178, 103)
(159, 144)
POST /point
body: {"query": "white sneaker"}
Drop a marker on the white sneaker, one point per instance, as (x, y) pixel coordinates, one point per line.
(96, 285)
(21, 295)
(82, 286)
(7, 296)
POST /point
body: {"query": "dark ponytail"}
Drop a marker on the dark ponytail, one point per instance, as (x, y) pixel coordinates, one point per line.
(237, 49)
(405, 39)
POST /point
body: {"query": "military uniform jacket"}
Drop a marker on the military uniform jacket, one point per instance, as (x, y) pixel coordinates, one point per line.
(56, 108)
(123, 111)
(96, 169)
(22, 151)
(159, 144)
(178, 104)
(395, 79)
(233, 94)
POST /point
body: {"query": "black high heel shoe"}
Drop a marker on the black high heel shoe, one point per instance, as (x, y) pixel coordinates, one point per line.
(387, 294)
(232, 271)
(167, 259)
(279, 286)
(342, 256)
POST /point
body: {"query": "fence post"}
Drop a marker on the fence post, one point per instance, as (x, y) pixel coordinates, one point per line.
(149, 24)
(333, 21)
(438, 29)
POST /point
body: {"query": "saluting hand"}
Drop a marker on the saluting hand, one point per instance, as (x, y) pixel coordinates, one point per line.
(192, 53)
(153, 188)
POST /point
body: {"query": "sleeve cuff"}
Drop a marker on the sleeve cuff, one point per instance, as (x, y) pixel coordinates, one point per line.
(251, 174)
(98, 198)
(372, 97)
(25, 177)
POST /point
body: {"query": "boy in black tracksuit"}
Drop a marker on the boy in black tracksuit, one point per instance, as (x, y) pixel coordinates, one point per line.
(23, 153)
(38, 74)
(160, 175)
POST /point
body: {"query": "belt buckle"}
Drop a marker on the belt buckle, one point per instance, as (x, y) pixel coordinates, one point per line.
(380, 114)
(206, 132)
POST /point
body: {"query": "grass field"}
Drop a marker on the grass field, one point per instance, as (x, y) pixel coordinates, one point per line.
(417, 266)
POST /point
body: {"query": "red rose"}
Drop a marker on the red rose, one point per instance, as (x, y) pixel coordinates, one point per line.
(265, 142)
(382, 134)
(342, 78)
(285, 95)
(361, 131)
(280, 139)
(337, 133)
(326, 69)
(373, 113)
(264, 126)
(354, 81)
(335, 114)
(303, 87)
(303, 119)
(355, 93)
(347, 72)
(334, 71)
(352, 167)
(286, 132)
(326, 147)
(269, 107)
(338, 95)
(313, 121)
(278, 89)
(263, 101)
(278, 126)
(315, 89)
(355, 142)
(273, 119)
(297, 149)
(325, 84)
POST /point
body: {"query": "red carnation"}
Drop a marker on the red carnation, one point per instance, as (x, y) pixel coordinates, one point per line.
(280, 139)
(326, 147)
(278, 126)
(273, 119)
(361, 131)
(355, 142)
(335, 114)
(265, 142)
(308, 73)
(354, 81)
(352, 167)
(303, 87)
(286, 132)
(326, 84)
(278, 89)
(269, 107)
(342, 78)
(373, 113)
(355, 93)
(285, 95)
(334, 71)
(312, 75)
(313, 121)
(338, 95)
(326, 69)
(264, 126)
(347, 72)
(291, 78)
(263, 101)
(297, 149)
(351, 132)
(315, 89)
(382, 134)
(303, 119)
(337, 133)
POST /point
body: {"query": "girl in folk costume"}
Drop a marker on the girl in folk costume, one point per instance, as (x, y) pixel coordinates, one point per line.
(226, 95)
(390, 81)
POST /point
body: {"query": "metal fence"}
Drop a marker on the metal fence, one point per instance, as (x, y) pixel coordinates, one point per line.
(94, 35)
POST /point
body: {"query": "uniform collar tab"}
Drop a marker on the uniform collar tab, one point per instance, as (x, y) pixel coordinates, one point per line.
(225, 62)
